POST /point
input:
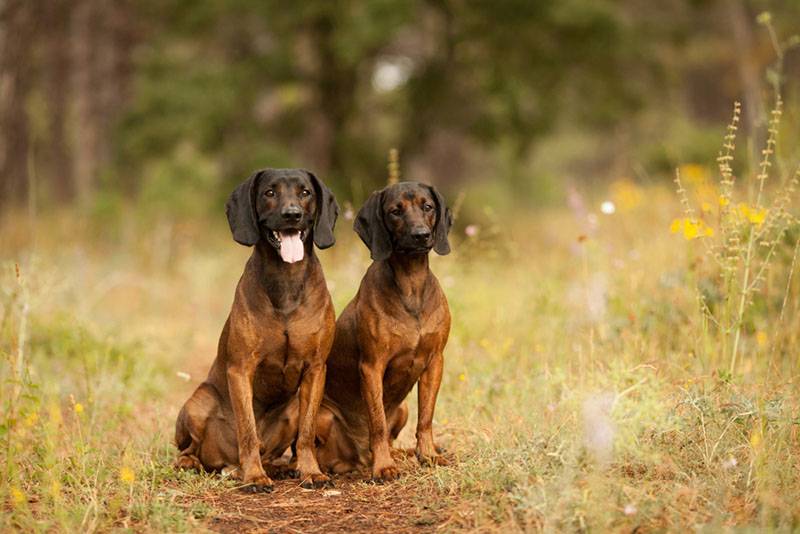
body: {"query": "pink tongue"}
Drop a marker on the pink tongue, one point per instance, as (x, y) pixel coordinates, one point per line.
(291, 247)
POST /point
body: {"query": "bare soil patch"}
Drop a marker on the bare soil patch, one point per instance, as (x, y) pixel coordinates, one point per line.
(353, 505)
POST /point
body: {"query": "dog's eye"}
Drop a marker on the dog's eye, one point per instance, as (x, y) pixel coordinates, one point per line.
(305, 193)
(396, 211)
(269, 193)
(427, 207)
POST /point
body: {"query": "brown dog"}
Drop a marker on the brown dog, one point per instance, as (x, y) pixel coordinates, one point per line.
(265, 386)
(389, 337)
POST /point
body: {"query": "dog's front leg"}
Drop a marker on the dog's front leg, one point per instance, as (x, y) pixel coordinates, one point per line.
(383, 467)
(240, 387)
(428, 389)
(311, 390)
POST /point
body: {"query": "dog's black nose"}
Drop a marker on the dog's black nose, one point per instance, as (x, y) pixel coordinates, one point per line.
(291, 213)
(421, 235)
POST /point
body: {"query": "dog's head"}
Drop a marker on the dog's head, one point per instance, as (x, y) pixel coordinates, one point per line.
(283, 207)
(408, 218)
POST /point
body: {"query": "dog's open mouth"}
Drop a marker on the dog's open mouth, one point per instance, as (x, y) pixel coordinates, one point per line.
(289, 243)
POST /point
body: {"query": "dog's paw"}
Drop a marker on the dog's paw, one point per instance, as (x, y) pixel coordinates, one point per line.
(431, 460)
(188, 462)
(430, 456)
(260, 484)
(385, 474)
(283, 472)
(316, 481)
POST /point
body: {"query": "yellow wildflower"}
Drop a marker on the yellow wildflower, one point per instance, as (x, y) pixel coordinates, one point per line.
(691, 229)
(706, 206)
(694, 173)
(78, 408)
(755, 439)
(626, 194)
(751, 214)
(761, 338)
(757, 217)
(744, 209)
(723, 201)
(17, 497)
(31, 419)
(485, 343)
(462, 377)
(126, 475)
(55, 488)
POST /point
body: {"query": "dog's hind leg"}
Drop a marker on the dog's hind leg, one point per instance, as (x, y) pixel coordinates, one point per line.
(190, 428)
(277, 432)
(396, 420)
(335, 451)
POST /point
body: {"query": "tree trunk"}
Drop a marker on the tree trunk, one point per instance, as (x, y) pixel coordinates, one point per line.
(335, 87)
(84, 83)
(122, 37)
(749, 74)
(57, 87)
(18, 24)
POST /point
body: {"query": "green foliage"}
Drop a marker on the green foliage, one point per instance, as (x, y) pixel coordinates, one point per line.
(251, 84)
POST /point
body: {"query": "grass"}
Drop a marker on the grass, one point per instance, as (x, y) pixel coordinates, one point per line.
(581, 390)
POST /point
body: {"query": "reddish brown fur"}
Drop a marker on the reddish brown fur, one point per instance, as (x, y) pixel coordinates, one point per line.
(388, 338)
(266, 383)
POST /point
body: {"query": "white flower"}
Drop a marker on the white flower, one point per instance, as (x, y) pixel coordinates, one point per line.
(608, 207)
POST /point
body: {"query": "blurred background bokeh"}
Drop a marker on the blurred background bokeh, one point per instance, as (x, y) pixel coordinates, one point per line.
(621, 357)
(165, 105)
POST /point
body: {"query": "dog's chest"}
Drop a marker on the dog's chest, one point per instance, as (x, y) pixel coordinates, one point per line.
(283, 356)
(410, 358)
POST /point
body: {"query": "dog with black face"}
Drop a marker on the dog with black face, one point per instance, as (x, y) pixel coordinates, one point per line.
(389, 337)
(265, 385)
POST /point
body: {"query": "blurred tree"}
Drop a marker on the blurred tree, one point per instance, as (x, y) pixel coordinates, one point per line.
(57, 66)
(18, 18)
(103, 38)
(164, 95)
(506, 71)
(299, 77)
(270, 83)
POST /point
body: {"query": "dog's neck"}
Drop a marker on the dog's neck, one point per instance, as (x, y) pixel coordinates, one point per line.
(283, 282)
(410, 273)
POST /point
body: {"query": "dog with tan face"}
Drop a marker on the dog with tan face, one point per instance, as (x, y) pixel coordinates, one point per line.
(389, 337)
(265, 385)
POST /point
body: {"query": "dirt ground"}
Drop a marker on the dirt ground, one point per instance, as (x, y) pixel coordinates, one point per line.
(352, 505)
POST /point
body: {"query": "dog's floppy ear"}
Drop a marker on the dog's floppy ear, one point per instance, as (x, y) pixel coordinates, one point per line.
(241, 212)
(327, 212)
(444, 220)
(370, 227)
